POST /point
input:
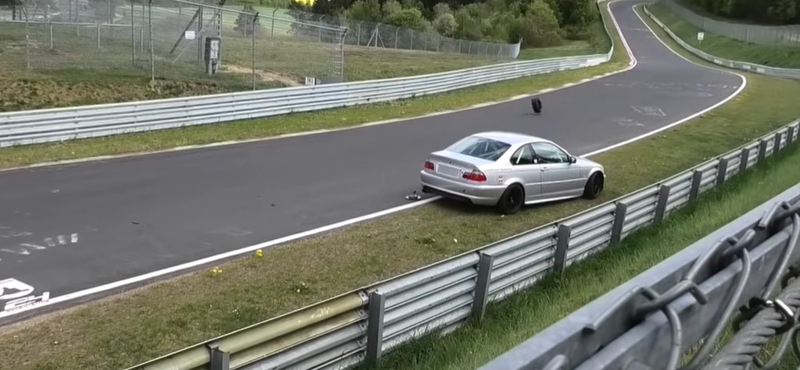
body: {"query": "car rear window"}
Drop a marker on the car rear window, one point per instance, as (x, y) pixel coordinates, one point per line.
(480, 147)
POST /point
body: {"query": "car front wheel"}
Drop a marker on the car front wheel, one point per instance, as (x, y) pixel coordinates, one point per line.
(594, 186)
(512, 199)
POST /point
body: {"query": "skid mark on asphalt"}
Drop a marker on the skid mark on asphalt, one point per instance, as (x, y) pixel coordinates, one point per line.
(25, 248)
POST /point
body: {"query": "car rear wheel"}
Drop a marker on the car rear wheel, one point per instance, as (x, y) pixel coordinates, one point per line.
(512, 199)
(594, 186)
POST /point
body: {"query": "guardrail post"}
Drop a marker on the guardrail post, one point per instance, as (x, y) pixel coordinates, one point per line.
(745, 158)
(562, 245)
(219, 360)
(377, 302)
(722, 170)
(762, 150)
(661, 206)
(790, 135)
(777, 147)
(697, 179)
(482, 284)
(619, 222)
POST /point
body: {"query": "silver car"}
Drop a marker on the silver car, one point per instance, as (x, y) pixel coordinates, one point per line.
(507, 170)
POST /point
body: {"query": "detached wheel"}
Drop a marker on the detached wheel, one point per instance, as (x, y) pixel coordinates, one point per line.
(594, 186)
(512, 199)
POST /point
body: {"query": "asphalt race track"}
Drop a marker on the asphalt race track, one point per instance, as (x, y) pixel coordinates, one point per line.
(72, 227)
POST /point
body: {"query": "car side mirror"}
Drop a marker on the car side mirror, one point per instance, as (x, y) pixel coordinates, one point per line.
(573, 159)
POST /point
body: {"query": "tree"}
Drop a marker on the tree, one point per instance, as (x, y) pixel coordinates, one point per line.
(245, 21)
(409, 18)
(365, 10)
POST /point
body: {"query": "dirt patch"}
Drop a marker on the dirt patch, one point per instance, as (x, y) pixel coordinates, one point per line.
(38, 93)
(262, 75)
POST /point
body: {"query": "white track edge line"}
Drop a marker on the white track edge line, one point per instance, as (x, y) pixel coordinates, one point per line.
(632, 64)
(289, 238)
(695, 115)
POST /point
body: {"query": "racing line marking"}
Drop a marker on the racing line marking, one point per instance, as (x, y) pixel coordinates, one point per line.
(45, 297)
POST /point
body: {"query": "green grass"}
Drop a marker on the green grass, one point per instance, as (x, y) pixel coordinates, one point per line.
(335, 118)
(513, 321)
(136, 326)
(521, 316)
(76, 72)
(723, 47)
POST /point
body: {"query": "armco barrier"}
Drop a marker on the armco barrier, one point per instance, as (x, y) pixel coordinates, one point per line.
(744, 66)
(362, 325)
(39, 126)
(61, 124)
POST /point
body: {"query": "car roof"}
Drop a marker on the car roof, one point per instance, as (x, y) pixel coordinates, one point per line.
(512, 138)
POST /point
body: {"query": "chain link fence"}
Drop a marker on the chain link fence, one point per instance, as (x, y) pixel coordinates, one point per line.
(170, 39)
(378, 35)
(763, 35)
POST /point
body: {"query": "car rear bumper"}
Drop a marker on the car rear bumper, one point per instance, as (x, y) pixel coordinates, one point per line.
(485, 195)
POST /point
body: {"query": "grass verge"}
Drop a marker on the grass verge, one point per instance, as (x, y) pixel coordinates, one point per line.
(723, 47)
(335, 118)
(136, 326)
(520, 317)
(511, 322)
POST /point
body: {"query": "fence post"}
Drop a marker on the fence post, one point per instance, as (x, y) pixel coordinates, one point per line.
(219, 360)
(133, 35)
(745, 158)
(562, 245)
(722, 170)
(481, 296)
(762, 150)
(98, 36)
(396, 35)
(272, 29)
(661, 206)
(150, 31)
(377, 302)
(790, 135)
(619, 222)
(51, 35)
(697, 179)
(777, 147)
(255, 19)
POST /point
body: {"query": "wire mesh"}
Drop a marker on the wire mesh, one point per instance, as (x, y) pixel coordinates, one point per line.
(764, 35)
(166, 39)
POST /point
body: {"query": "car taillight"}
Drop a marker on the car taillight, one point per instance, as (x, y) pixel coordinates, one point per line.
(475, 175)
(429, 165)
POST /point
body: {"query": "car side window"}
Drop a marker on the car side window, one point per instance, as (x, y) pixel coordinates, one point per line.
(523, 155)
(549, 153)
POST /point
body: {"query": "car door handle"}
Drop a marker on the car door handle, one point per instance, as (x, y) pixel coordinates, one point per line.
(544, 168)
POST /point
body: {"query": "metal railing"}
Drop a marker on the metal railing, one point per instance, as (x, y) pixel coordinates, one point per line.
(379, 35)
(764, 35)
(62, 124)
(166, 39)
(362, 325)
(50, 125)
(744, 66)
(682, 305)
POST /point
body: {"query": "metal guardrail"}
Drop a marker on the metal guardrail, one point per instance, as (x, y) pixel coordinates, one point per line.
(696, 292)
(444, 296)
(744, 66)
(786, 35)
(62, 124)
(29, 127)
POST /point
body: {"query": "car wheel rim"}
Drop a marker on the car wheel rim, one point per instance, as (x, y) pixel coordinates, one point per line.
(514, 197)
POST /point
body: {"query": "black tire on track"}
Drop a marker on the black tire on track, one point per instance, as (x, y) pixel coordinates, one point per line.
(594, 186)
(512, 199)
(536, 104)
